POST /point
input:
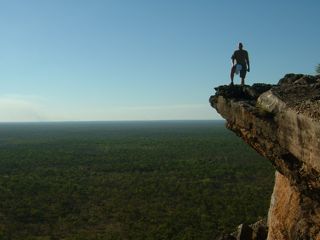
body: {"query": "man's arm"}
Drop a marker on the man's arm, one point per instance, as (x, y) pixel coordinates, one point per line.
(233, 58)
(248, 62)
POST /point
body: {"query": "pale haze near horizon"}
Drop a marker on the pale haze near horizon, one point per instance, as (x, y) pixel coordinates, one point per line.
(143, 60)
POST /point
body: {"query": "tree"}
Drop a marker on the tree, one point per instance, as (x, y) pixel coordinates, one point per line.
(318, 69)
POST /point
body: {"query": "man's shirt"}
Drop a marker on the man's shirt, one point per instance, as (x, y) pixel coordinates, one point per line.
(241, 56)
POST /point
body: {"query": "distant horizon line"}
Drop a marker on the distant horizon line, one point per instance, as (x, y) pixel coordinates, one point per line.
(112, 121)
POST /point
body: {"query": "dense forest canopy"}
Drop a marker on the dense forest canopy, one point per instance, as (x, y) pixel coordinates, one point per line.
(167, 180)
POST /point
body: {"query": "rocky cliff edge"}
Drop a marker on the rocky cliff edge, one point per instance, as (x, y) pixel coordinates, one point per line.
(282, 123)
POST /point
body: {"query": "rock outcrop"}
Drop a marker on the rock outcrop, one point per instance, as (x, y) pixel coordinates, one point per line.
(282, 123)
(256, 231)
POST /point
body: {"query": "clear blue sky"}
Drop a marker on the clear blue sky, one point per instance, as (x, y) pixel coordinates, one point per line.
(143, 59)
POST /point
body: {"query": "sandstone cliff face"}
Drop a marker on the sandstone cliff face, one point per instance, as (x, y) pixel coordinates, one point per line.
(282, 122)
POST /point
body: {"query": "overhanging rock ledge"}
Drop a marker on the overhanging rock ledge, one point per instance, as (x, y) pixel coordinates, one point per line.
(282, 123)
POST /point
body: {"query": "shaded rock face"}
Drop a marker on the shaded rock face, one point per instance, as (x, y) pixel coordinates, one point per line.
(282, 123)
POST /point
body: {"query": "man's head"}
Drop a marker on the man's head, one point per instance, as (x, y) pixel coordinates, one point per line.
(240, 46)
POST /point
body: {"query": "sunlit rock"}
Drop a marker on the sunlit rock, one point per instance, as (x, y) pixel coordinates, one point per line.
(282, 123)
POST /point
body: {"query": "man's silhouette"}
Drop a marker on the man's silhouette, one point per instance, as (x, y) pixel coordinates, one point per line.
(240, 63)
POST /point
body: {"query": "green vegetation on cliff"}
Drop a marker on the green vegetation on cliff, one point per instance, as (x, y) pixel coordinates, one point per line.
(140, 180)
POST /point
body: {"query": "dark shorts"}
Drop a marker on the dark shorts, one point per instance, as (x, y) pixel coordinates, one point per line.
(243, 71)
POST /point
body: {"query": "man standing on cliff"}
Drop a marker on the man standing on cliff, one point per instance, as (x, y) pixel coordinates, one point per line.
(240, 63)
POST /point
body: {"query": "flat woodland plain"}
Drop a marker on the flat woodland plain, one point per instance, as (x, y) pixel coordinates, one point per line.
(128, 180)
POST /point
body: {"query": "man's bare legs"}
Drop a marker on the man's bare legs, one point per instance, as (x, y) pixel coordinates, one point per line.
(242, 81)
(233, 69)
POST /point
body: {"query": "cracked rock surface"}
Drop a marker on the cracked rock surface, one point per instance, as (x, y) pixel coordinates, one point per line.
(282, 123)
